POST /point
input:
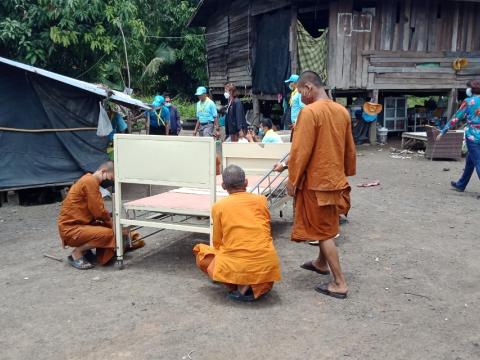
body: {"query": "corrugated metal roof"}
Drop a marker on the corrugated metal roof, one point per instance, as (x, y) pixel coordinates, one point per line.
(116, 96)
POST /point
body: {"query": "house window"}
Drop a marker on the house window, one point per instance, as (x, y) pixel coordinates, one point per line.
(395, 113)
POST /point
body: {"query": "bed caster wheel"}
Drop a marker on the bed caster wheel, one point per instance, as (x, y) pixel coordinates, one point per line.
(281, 213)
(120, 265)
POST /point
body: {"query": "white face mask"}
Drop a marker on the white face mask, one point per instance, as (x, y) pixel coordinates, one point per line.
(227, 95)
(469, 92)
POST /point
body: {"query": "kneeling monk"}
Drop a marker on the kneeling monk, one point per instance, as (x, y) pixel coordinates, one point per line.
(84, 223)
(243, 256)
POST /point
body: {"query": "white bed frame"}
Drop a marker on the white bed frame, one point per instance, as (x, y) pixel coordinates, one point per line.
(186, 162)
(253, 158)
(177, 161)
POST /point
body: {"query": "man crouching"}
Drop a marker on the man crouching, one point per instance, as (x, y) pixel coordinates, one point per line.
(84, 223)
(243, 256)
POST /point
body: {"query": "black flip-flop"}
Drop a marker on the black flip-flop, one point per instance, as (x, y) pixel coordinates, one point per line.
(309, 266)
(238, 296)
(323, 289)
(80, 263)
(90, 256)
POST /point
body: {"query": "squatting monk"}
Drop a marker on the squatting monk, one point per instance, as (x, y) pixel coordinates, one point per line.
(242, 256)
(84, 223)
(321, 158)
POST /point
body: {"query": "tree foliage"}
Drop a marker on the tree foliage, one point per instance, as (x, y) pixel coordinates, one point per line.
(83, 39)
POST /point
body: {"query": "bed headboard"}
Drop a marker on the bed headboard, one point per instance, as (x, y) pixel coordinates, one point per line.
(180, 161)
(254, 158)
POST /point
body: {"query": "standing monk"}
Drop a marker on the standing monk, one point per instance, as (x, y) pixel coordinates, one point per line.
(242, 256)
(321, 158)
(84, 223)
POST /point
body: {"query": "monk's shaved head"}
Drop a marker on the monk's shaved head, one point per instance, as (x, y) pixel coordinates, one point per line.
(311, 77)
(233, 177)
(107, 166)
(311, 87)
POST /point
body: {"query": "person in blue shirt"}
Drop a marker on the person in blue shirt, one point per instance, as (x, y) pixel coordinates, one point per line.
(266, 133)
(469, 113)
(207, 117)
(269, 135)
(119, 124)
(159, 117)
(296, 103)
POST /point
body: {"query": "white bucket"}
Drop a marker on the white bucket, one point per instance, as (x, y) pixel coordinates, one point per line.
(382, 135)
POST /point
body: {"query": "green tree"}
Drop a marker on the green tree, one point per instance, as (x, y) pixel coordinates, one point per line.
(84, 39)
(167, 24)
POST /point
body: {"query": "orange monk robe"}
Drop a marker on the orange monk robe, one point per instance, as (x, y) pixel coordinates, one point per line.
(321, 158)
(83, 219)
(242, 251)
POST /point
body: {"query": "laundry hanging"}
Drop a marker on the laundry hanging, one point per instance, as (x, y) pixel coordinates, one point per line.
(313, 52)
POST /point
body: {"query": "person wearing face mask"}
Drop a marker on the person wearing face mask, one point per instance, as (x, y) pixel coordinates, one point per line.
(469, 113)
(296, 103)
(175, 124)
(266, 133)
(321, 157)
(84, 223)
(235, 123)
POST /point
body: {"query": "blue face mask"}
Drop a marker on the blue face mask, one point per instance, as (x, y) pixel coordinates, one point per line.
(290, 86)
(469, 92)
(168, 104)
(261, 132)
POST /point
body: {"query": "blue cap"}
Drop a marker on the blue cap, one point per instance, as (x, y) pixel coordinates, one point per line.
(201, 90)
(293, 78)
(158, 100)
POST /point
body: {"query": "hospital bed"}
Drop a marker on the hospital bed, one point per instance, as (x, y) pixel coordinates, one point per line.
(186, 166)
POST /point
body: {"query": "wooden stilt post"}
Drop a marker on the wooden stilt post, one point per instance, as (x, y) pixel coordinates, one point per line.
(256, 110)
(373, 126)
(452, 103)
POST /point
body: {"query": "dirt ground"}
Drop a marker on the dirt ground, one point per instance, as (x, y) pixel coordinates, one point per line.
(410, 253)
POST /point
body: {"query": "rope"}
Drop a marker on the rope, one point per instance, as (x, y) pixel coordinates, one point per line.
(195, 35)
(47, 130)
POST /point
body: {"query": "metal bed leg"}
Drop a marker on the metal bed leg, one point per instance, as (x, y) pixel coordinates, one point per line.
(117, 207)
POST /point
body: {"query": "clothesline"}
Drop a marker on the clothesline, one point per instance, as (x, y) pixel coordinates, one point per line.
(196, 35)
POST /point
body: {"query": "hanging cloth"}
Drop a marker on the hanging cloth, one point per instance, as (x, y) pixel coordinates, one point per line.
(313, 52)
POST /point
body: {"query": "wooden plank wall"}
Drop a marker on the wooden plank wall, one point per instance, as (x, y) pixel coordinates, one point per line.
(216, 49)
(403, 34)
(229, 48)
(428, 25)
(239, 44)
(416, 50)
(351, 33)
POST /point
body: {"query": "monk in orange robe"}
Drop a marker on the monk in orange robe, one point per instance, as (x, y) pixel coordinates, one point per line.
(321, 158)
(242, 256)
(84, 223)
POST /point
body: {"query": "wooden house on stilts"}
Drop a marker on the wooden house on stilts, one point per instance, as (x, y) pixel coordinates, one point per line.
(382, 49)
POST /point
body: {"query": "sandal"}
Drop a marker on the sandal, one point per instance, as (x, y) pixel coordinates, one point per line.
(90, 257)
(80, 263)
(238, 296)
(309, 266)
(323, 289)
